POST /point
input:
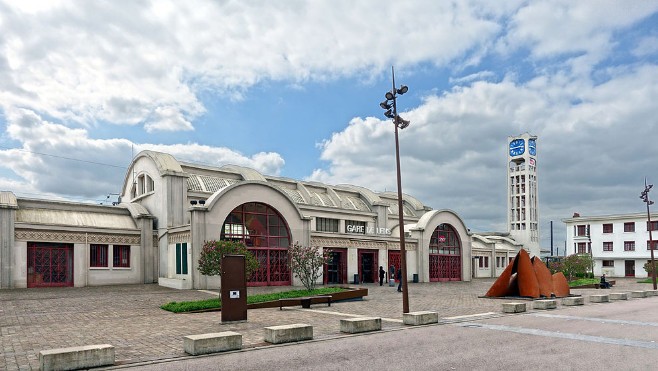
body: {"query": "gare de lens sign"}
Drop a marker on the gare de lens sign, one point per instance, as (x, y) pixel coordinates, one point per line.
(367, 230)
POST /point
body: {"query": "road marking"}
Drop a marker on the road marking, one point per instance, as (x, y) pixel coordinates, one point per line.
(600, 320)
(343, 314)
(563, 335)
(209, 292)
(471, 315)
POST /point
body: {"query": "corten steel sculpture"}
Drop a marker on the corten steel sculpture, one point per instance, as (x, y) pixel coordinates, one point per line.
(529, 278)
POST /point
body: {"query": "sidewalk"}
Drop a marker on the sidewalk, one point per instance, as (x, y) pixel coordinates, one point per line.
(129, 318)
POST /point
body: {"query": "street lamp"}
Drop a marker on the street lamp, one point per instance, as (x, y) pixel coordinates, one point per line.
(645, 197)
(390, 105)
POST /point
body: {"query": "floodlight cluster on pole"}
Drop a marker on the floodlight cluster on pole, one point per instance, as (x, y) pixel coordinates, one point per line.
(645, 197)
(390, 105)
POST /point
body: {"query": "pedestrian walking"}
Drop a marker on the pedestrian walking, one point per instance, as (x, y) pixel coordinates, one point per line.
(382, 275)
(400, 279)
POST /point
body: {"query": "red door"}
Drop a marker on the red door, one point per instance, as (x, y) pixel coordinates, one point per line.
(49, 264)
(368, 266)
(335, 272)
(394, 260)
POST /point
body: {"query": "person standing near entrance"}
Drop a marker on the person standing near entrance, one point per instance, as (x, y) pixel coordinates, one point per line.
(400, 279)
(382, 275)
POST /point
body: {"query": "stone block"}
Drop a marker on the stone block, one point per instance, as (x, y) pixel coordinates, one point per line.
(75, 358)
(514, 307)
(545, 304)
(638, 294)
(573, 301)
(212, 343)
(604, 298)
(288, 333)
(361, 324)
(652, 293)
(618, 296)
(420, 318)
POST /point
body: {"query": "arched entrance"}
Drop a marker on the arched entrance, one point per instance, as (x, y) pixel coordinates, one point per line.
(265, 233)
(445, 254)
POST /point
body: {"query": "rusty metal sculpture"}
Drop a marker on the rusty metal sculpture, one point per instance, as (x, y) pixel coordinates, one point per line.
(528, 277)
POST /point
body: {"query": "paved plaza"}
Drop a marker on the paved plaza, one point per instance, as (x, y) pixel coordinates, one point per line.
(129, 318)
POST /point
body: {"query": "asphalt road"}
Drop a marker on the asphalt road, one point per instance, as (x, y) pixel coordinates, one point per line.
(621, 335)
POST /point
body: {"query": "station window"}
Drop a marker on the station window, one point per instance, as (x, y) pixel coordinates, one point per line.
(654, 243)
(326, 225)
(98, 256)
(483, 262)
(607, 246)
(629, 227)
(608, 263)
(607, 228)
(181, 258)
(629, 245)
(121, 256)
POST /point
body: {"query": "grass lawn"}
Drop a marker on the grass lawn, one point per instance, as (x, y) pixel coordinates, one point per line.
(215, 303)
(646, 280)
(584, 281)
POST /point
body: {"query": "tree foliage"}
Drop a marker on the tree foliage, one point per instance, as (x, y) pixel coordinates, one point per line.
(577, 266)
(210, 262)
(306, 262)
(647, 267)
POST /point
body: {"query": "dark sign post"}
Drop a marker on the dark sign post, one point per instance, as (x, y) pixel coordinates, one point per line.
(234, 288)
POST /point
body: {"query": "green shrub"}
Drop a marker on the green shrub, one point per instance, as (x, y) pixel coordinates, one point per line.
(189, 306)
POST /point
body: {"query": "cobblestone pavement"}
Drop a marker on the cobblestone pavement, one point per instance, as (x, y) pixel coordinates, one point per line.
(129, 318)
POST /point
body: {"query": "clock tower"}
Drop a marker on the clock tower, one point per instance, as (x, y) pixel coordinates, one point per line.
(522, 196)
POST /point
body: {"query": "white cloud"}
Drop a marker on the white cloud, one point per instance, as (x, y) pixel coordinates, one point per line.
(453, 153)
(55, 159)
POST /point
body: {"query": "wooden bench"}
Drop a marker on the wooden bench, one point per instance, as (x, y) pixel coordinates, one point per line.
(305, 302)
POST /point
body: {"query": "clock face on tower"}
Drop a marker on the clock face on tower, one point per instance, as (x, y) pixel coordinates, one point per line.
(532, 147)
(516, 147)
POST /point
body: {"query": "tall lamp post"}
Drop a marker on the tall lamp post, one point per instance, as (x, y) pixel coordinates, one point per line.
(390, 105)
(645, 197)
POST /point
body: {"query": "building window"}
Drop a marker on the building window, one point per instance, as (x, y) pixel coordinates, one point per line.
(500, 262)
(354, 226)
(326, 225)
(654, 226)
(607, 246)
(98, 256)
(629, 245)
(483, 262)
(582, 230)
(629, 227)
(181, 258)
(582, 248)
(121, 256)
(609, 263)
(654, 243)
(607, 228)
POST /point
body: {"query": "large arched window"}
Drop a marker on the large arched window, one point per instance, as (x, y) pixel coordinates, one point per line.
(445, 254)
(265, 233)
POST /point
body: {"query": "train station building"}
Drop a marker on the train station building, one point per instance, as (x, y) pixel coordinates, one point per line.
(168, 209)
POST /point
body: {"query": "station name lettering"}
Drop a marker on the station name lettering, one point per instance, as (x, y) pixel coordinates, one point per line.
(367, 230)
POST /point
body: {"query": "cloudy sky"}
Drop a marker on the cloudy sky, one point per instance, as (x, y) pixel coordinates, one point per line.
(292, 88)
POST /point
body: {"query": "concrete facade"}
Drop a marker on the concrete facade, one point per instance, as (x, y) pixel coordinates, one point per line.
(618, 243)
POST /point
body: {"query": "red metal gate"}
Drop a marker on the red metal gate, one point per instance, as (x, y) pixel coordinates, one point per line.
(394, 260)
(49, 264)
(445, 254)
(273, 268)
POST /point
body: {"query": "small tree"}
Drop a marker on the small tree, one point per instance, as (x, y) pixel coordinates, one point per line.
(576, 265)
(648, 266)
(306, 262)
(210, 261)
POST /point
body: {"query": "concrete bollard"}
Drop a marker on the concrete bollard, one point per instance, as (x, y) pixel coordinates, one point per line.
(514, 307)
(573, 301)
